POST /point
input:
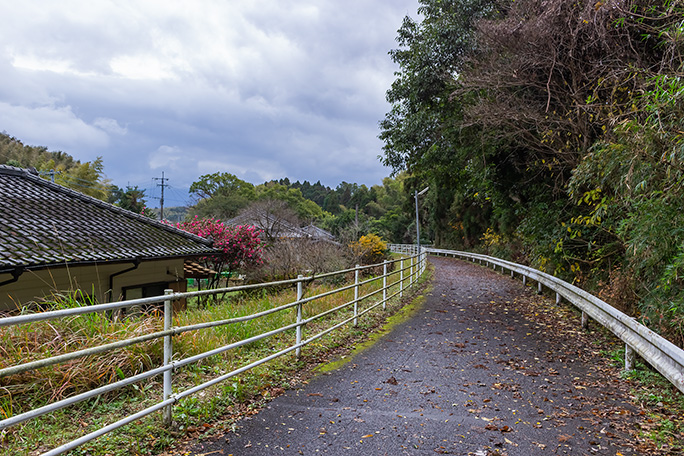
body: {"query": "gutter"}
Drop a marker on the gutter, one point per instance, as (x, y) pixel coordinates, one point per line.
(110, 292)
(16, 273)
(102, 262)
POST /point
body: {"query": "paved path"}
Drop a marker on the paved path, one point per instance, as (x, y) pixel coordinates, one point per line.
(474, 372)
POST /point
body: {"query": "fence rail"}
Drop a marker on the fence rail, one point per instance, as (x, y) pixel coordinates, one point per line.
(408, 271)
(663, 355)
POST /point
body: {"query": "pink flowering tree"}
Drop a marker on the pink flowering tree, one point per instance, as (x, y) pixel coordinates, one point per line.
(240, 247)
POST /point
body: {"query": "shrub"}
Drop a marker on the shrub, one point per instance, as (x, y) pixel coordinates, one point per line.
(369, 249)
(288, 258)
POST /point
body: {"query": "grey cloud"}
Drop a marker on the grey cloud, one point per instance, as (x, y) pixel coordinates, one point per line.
(273, 88)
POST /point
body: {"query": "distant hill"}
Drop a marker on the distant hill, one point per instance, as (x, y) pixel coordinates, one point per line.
(62, 168)
(172, 214)
(15, 153)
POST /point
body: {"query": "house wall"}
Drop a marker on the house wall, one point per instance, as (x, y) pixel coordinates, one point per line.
(91, 280)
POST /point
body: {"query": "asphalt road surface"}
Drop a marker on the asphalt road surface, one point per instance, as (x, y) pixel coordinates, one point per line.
(485, 367)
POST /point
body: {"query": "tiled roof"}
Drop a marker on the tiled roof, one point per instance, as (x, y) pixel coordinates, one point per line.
(44, 224)
(266, 221)
(318, 233)
(196, 270)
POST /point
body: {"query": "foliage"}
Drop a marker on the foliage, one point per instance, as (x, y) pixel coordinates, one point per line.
(550, 132)
(239, 248)
(132, 199)
(348, 211)
(369, 249)
(15, 153)
(632, 185)
(306, 210)
(87, 178)
(220, 195)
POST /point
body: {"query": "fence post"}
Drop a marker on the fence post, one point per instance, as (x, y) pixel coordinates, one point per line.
(384, 285)
(168, 355)
(412, 277)
(401, 278)
(298, 351)
(356, 294)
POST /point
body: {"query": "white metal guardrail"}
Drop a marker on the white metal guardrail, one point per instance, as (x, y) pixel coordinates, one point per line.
(409, 270)
(663, 355)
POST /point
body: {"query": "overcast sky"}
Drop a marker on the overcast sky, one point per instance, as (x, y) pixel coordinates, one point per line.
(262, 89)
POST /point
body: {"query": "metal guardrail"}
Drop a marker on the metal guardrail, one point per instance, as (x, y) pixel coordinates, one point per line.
(663, 355)
(409, 271)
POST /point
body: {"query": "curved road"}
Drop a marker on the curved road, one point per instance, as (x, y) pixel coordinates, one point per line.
(485, 367)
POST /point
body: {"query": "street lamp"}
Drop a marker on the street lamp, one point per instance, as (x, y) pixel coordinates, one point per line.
(417, 194)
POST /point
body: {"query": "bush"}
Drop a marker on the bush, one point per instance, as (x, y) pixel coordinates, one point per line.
(288, 258)
(369, 249)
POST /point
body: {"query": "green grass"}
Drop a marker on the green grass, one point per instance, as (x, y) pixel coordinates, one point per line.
(212, 409)
(665, 423)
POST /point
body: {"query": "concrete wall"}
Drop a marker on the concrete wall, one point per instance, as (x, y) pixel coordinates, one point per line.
(91, 280)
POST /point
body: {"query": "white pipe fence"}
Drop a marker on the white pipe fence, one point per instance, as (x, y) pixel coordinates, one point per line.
(409, 270)
(663, 355)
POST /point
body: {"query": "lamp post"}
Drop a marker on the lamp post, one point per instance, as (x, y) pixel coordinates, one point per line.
(417, 194)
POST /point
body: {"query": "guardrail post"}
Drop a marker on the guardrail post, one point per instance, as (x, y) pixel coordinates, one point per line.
(630, 357)
(298, 351)
(356, 295)
(168, 355)
(558, 298)
(384, 285)
(512, 274)
(539, 288)
(401, 278)
(524, 280)
(585, 320)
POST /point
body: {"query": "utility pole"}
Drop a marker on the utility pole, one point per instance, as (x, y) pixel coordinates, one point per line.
(417, 194)
(50, 173)
(161, 200)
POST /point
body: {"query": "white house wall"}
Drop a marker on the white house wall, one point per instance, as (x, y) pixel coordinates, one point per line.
(91, 280)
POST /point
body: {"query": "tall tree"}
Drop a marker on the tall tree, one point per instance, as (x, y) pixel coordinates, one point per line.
(423, 133)
(130, 198)
(220, 195)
